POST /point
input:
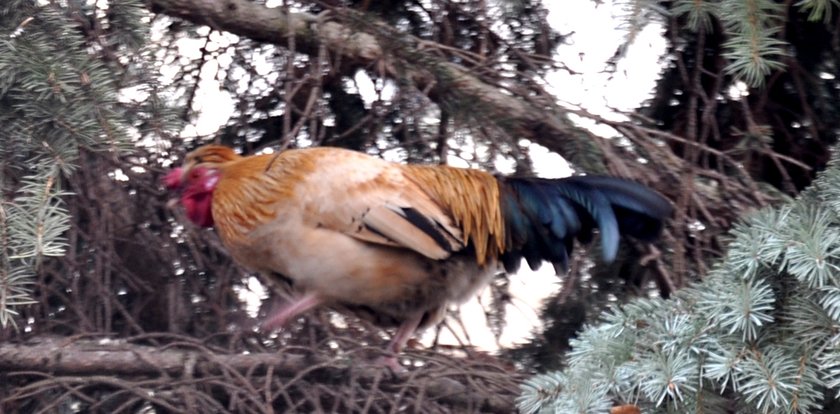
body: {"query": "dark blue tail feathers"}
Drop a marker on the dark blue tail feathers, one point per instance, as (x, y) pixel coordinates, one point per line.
(543, 217)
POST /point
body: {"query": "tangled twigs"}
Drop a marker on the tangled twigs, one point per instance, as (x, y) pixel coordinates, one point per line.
(191, 377)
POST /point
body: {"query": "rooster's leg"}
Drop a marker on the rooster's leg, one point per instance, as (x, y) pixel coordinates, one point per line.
(404, 333)
(296, 307)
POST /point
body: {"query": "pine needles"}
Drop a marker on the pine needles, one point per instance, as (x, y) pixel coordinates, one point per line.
(58, 98)
(760, 331)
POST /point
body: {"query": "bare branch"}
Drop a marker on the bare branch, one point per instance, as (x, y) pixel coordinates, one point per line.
(63, 361)
(406, 58)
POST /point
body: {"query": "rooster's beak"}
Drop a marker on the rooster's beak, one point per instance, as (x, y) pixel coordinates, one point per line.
(174, 178)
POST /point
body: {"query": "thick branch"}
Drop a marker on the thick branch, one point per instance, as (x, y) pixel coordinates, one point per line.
(115, 358)
(361, 49)
(109, 357)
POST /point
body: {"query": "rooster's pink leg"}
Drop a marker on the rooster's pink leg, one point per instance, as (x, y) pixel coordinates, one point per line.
(290, 310)
(404, 333)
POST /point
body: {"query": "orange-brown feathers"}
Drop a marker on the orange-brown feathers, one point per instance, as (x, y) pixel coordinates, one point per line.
(210, 156)
(389, 239)
(434, 210)
(471, 198)
(250, 188)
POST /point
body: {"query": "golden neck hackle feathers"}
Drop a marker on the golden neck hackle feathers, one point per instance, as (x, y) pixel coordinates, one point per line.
(210, 156)
(249, 186)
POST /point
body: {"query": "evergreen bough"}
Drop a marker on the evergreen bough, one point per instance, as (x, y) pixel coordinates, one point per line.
(754, 47)
(63, 66)
(758, 335)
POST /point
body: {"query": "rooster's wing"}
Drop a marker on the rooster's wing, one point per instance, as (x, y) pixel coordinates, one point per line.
(374, 201)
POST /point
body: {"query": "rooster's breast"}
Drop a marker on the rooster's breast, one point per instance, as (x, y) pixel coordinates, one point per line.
(348, 271)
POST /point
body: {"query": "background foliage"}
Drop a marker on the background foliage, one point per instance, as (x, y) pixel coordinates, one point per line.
(758, 334)
(97, 99)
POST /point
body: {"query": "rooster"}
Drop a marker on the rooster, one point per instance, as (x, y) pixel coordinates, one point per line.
(397, 242)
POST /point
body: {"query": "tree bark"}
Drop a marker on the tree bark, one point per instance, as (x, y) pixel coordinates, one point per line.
(402, 57)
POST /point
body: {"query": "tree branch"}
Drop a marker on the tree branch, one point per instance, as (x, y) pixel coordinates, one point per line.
(116, 357)
(63, 358)
(403, 57)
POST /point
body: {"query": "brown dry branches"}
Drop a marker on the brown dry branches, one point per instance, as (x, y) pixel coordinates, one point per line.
(340, 32)
(190, 376)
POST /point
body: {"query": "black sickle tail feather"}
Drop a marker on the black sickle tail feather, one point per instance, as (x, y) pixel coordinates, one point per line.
(543, 217)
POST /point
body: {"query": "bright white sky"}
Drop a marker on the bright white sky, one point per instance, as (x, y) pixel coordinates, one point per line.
(595, 39)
